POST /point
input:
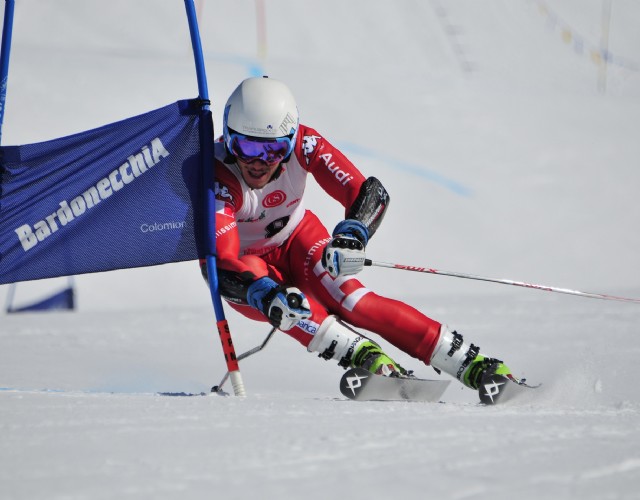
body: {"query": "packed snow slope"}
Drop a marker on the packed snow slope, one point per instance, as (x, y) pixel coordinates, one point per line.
(510, 150)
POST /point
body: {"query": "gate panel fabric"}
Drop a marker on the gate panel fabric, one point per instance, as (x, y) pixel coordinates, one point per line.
(120, 196)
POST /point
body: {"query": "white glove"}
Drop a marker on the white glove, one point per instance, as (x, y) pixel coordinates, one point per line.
(344, 255)
(284, 306)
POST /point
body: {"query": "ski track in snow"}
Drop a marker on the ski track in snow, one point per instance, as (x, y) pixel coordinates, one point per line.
(96, 424)
(515, 165)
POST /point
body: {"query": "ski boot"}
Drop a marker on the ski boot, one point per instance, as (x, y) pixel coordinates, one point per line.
(483, 366)
(335, 340)
(371, 357)
(464, 362)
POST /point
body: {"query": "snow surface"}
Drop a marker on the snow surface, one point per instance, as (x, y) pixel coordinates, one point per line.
(508, 152)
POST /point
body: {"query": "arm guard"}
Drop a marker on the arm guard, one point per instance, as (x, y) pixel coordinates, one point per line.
(232, 285)
(370, 205)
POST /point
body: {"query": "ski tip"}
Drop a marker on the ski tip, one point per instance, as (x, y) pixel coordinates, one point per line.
(523, 383)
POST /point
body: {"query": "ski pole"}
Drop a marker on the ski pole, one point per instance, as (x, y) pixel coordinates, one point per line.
(369, 262)
(218, 388)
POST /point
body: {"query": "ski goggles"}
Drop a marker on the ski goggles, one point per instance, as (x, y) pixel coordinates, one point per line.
(255, 148)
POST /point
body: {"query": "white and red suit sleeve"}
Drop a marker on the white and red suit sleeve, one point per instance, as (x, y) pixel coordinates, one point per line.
(228, 198)
(332, 170)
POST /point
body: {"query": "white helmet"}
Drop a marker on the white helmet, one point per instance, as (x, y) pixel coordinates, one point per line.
(261, 107)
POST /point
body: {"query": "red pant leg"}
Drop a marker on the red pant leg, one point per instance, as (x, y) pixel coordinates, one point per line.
(260, 266)
(398, 323)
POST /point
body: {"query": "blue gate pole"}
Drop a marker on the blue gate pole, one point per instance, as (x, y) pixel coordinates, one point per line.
(7, 30)
(5, 52)
(206, 144)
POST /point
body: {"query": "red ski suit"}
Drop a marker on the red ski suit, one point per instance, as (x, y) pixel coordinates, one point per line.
(268, 232)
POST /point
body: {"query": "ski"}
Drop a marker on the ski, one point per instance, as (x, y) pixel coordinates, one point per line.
(361, 385)
(496, 389)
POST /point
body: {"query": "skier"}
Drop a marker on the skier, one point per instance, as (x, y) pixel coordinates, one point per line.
(278, 263)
